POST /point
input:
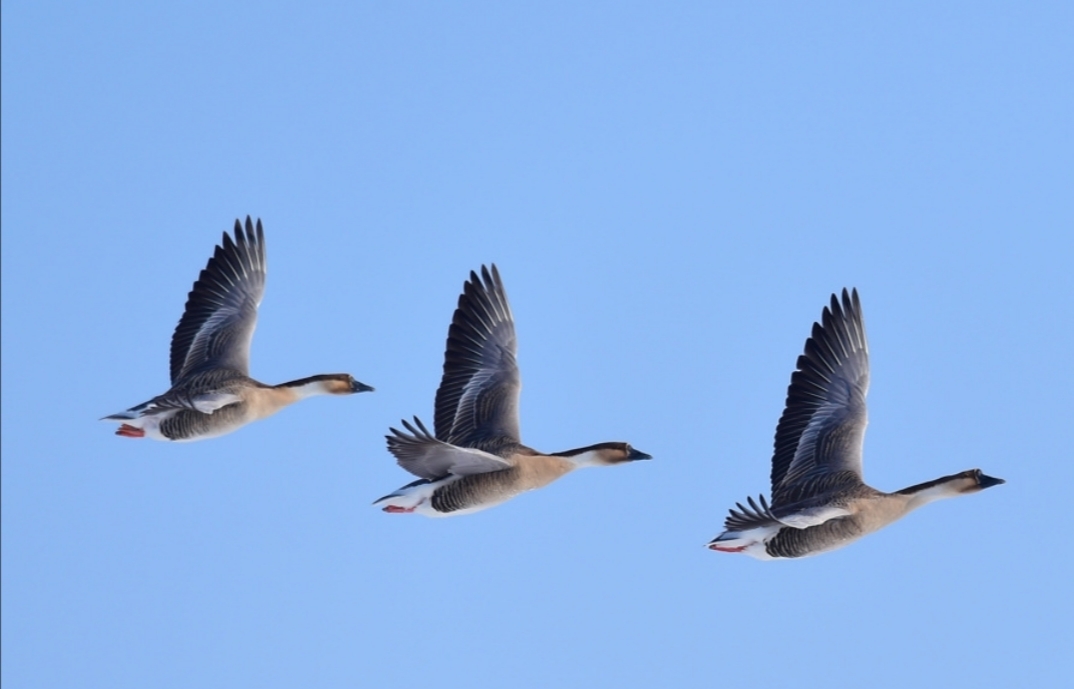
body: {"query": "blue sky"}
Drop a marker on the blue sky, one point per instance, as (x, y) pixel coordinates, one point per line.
(671, 195)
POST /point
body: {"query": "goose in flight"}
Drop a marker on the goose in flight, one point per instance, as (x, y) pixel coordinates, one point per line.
(212, 392)
(475, 459)
(819, 500)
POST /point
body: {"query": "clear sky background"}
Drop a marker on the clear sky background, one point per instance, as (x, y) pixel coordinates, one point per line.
(672, 191)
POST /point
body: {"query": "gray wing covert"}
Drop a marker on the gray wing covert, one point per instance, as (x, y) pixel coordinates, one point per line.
(423, 455)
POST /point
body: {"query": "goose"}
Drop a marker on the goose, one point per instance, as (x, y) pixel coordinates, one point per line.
(212, 392)
(819, 499)
(475, 459)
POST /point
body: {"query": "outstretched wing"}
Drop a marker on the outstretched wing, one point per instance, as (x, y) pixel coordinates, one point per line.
(221, 311)
(423, 455)
(477, 400)
(757, 514)
(823, 424)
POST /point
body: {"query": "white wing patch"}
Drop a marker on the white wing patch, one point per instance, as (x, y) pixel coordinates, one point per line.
(211, 401)
(812, 517)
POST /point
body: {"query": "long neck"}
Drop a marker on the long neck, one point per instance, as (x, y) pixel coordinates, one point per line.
(930, 491)
(601, 454)
(589, 458)
(307, 387)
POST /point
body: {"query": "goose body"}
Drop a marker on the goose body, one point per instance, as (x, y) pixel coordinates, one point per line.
(212, 393)
(475, 459)
(820, 501)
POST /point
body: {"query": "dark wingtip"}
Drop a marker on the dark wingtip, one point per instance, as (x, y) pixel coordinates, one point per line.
(848, 304)
(244, 232)
(487, 279)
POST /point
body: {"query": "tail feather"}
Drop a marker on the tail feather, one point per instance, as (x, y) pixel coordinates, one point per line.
(406, 490)
(121, 416)
(136, 412)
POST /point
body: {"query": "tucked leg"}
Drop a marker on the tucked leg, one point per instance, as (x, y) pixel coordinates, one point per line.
(129, 431)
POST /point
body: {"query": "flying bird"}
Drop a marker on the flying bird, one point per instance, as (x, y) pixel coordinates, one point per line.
(212, 392)
(819, 499)
(475, 458)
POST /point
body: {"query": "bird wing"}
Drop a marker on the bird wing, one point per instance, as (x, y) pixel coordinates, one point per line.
(221, 310)
(477, 400)
(819, 437)
(423, 455)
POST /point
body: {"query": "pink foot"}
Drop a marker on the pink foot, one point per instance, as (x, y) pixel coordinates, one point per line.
(395, 509)
(129, 431)
(725, 549)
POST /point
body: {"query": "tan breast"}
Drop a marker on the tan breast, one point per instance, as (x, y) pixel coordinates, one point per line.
(536, 471)
(264, 402)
